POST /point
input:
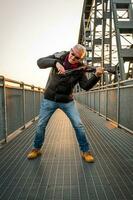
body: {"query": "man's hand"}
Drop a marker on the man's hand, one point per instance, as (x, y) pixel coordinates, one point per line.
(99, 71)
(60, 68)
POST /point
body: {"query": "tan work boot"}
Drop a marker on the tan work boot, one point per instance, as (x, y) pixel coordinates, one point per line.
(87, 156)
(34, 153)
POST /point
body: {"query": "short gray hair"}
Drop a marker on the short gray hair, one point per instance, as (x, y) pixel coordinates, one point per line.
(82, 49)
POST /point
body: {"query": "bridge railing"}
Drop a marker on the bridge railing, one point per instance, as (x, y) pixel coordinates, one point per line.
(113, 101)
(19, 105)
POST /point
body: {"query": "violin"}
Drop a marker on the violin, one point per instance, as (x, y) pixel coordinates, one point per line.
(89, 70)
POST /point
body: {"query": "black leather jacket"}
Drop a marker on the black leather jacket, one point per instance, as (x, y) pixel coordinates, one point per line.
(59, 87)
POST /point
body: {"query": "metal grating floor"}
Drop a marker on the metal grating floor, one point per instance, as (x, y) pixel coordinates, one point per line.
(60, 173)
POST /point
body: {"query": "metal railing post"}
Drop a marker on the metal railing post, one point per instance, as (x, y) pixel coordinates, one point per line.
(23, 101)
(118, 97)
(99, 97)
(5, 109)
(33, 90)
(106, 103)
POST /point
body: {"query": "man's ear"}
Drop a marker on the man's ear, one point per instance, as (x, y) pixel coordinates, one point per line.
(84, 61)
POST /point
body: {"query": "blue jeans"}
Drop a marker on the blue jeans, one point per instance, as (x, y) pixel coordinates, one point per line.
(47, 108)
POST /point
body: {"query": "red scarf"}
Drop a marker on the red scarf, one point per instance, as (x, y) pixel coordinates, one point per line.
(68, 65)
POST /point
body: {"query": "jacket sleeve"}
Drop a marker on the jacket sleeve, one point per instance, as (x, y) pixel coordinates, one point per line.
(46, 62)
(50, 61)
(86, 83)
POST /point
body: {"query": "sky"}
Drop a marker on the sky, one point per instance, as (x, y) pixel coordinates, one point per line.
(31, 29)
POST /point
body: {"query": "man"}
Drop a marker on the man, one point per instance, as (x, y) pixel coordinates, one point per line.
(58, 94)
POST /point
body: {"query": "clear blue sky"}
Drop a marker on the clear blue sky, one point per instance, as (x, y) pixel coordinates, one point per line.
(30, 29)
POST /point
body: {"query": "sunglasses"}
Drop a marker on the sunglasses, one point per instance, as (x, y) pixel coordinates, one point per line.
(72, 53)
